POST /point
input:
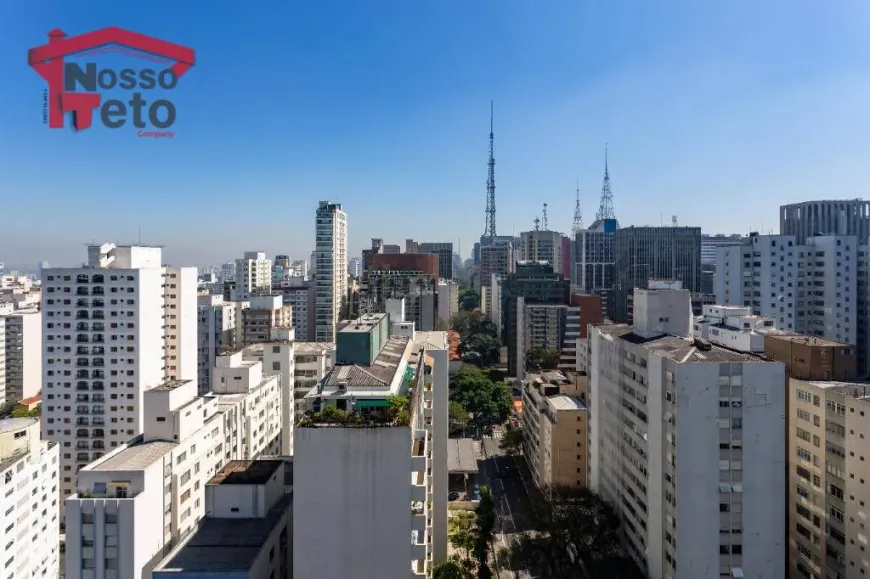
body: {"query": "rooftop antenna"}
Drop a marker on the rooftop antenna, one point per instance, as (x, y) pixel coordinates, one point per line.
(605, 209)
(544, 220)
(674, 221)
(537, 223)
(140, 234)
(490, 181)
(578, 213)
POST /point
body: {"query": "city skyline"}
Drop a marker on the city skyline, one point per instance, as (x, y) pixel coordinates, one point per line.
(373, 113)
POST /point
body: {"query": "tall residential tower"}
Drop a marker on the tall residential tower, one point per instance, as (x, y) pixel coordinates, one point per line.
(330, 270)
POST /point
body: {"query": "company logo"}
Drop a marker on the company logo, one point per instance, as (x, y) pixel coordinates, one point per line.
(74, 87)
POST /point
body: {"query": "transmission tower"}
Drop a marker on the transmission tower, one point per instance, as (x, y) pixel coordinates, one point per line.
(490, 182)
(544, 220)
(578, 213)
(537, 223)
(605, 210)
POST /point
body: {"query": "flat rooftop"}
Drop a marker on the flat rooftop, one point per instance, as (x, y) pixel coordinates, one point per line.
(682, 350)
(136, 456)
(461, 457)
(314, 347)
(226, 545)
(565, 402)
(171, 385)
(807, 340)
(246, 472)
(379, 375)
(364, 323)
(858, 390)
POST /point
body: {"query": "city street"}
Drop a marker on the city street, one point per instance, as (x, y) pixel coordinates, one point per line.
(510, 484)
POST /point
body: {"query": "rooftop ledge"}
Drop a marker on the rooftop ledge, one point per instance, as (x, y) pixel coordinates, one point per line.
(395, 414)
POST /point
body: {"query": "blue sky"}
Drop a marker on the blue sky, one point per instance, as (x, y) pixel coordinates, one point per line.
(716, 111)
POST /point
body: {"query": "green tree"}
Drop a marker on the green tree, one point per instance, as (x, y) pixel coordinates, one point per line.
(468, 299)
(512, 441)
(485, 531)
(7, 408)
(541, 359)
(455, 568)
(458, 415)
(480, 349)
(462, 533)
(576, 535)
(488, 402)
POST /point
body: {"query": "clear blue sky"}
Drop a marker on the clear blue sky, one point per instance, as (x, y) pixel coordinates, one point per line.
(715, 110)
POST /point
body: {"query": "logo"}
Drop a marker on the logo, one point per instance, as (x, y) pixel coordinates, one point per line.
(74, 87)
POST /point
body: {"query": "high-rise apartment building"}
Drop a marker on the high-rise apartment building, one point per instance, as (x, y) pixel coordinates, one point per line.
(253, 275)
(299, 295)
(448, 299)
(687, 442)
(377, 469)
(330, 270)
(354, 267)
(30, 525)
(645, 253)
(825, 218)
(216, 332)
(538, 245)
(710, 244)
(112, 329)
(23, 353)
(413, 276)
(496, 258)
(263, 315)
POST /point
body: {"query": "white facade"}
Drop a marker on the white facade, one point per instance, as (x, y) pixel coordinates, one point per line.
(247, 532)
(112, 329)
(350, 480)
(354, 267)
(330, 270)
(228, 271)
(538, 245)
(143, 496)
(253, 275)
(448, 299)
(734, 327)
(809, 289)
(313, 361)
(30, 525)
(216, 320)
(687, 442)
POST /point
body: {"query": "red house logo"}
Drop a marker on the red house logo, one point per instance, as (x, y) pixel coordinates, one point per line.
(75, 88)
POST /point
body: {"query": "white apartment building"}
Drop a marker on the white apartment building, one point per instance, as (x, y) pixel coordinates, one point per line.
(329, 270)
(247, 532)
(250, 400)
(354, 267)
(30, 525)
(227, 271)
(2, 361)
(687, 442)
(809, 289)
(734, 327)
(313, 362)
(216, 332)
(378, 471)
(299, 296)
(448, 299)
(540, 245)
(117, 326)
(253, 275)
(136, 502)
(263, 315)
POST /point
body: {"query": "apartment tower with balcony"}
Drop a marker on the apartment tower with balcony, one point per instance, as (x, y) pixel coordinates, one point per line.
(121, 324)
(330, 270)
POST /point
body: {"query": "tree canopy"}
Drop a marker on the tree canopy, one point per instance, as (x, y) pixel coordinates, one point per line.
(468, 299)
(512, 441)
(576, 535)
(488, 402)
(541, 359)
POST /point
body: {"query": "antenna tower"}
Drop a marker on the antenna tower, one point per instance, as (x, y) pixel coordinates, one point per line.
(605, 210)
(544, 220)
(537, 223)
(490, 181)
(578, 213)
(674, 221)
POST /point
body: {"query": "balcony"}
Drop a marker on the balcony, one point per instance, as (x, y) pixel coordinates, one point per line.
(82, 422)
(81, 374)
(82, 327)
(82, 278)
(99, 433)
(82, 302)
(98, 326)
(98, 315)
(82, 398)
(98, 291)
(98, 278)
(82, 362)
(98, 398)
(83, 410)
(419, 487)
(82, 386)
(98, 374)
(83, 456)
(98, 386)
(82, 315)
(82, 351)
(98, 410)
(82, 291)
(82, 339)
(99, 339)
(82, 433)
(98, 351)
(97, 303)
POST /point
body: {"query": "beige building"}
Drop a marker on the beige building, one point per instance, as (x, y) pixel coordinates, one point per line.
(555, 416)
(829, 472)
(265, 314)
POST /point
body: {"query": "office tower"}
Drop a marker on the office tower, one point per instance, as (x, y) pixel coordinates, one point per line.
(330, 270)
(29, 471)
(376, 247)
(239, 537)
(359, 474)
(555, 428)
(391, 249)
(686, 442)
(594, 259)
(825, 218)
(533, 284)
(413, 276)
(23, 345)
(253, 275)
(444, 251)
(448, 299)
(645, 253)
(354, 267)
(112, 329)
(538, 245)
(497, 258)
(216, 332)
(711, 243)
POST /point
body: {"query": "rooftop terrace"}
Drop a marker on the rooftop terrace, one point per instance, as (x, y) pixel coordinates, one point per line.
(137, 456)
(246, 472)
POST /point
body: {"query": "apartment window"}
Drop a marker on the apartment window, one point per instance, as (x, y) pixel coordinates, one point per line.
(804, 435)
(804, 396)
(804, 454)
(836, 513)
